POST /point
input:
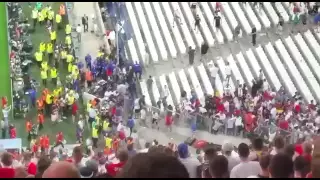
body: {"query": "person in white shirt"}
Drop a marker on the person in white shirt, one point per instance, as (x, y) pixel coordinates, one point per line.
(245, 168)
(78, 29)
(5, 111)
(228, 72)
(155, 117)
(176, 17)
(213, 68)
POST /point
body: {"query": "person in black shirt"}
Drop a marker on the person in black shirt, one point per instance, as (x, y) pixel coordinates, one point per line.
(197, 23)
(280, 24)
(254, 36)
(85, 22)
(191, 55)
(217, 19)
(204, 50)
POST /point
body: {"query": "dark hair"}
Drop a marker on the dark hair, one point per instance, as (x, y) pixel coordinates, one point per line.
(6, 159)
(281, 166)
(243, 150)
(122, 155)
(104, 175)
(289, 150)
(153, 165)
(42, 165)
(301, 165)
(279, 142)
(264, 161)
(257, 144)
(219, 167)
(210, 153)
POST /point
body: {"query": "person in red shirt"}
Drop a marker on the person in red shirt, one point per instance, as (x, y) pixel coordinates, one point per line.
(42, 142)
(297, 108)
(28, 129)
(35, 147)
(4, 101)
(307, 152)
(283, 124)
(13, 132)
(169, 122)
(40, 120)
(46, 143)
(114, 168)
(74, 109)
(59, 140)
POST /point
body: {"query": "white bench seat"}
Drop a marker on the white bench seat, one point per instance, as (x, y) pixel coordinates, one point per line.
(241, 17)
(157, 34)
(229, 15)
(155, 91)
(289, 8)
(282, 11)
(246, 70)
(253, 62)
(222, 68)
(175, 87)
(302, 65)
(138, 37)
(268, 68)
(224, 24)
(252, 16)
(145, 92)
(175, 31)
(272, 14)
(163, 83)
(184, 27)
(196, 84)
(203, 25)
(234, 69)
(310, 59)
(292, 69)
(205, 79)
(185, 83)
(133, 51)
(211, 21)
(147, 34)
(313, 44)
(282, 71)
(262, 16)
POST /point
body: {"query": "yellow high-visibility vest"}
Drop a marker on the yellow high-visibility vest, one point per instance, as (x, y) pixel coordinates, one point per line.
(97, 119)
(40, 17)
(53, 73)
(56, 93)
(34, 14)
(58, 18)
(70, 100)
(49, 48)
(68, 40)
(44, 74)
(50, 15)
(48, 99)
(68, 29)
(38, 56)
(94, 132)
(88, 105)
(108, 142)
(44, 12)
(63, 54)
(105, 125)
(44, 65)
(53, 35)
(42, 47)
(69, 59)
(69, 67)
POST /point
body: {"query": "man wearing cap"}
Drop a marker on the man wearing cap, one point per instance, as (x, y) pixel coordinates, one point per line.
(227, 151)
(190, 163)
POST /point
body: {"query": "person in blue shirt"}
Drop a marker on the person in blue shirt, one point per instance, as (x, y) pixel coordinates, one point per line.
(137, 70)
(32, 94)
(130, 125)
(80, 65)
(88, 61)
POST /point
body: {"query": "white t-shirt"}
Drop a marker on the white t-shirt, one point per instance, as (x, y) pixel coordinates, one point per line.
(78, 29)
(213, 71)
(228, 70)
(245, 169)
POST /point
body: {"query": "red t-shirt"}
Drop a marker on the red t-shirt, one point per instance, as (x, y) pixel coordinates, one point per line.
(4, 101)
(307, 157)
(59, 137)
(284, 125)
(74, 109)
(297, 108)
(122, 135)
(168, 120)
(6, 173)
(13, 133)
(113, 169)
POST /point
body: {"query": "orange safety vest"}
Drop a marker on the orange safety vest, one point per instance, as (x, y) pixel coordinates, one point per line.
(28, 126)
(42, 143)
(89, 76)
(40, 104)
(62, 10)
(40, 118)
(115, 145)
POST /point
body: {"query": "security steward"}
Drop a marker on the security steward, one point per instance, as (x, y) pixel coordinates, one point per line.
(58, 21)
(54, 75)
(68, 29)
(34, 18)
(50, 51)
(44, 77)
(53, 37)
(38, 56)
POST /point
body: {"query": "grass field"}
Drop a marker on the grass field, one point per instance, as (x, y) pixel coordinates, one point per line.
(5, 89)
(41, 35)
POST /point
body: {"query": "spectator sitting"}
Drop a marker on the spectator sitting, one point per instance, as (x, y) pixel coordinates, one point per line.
(281, 166)
(278, 145)
(301, 167)
(42, 165)
(153, 165)
(264, 162)
(114, 168)
(61, 170)
(227, 149)
(190, 163)
(219, 167)
(257, 146)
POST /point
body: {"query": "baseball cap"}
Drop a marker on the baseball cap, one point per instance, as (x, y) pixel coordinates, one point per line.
(183, 150)
(86, 172)
(227, 147)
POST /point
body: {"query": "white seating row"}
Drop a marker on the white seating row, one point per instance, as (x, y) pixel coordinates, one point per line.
(175, 86)
(272, 14)
(137, 34)
(191, 20)
(282, 72)
(145, 92)
(157, 34)
(313, 44)
(166, 33)
(304, 69)
(184, 82)
(241, 17)
(184, 28)
(146, 32)
(268, 68)
(210, 17)
(205, 79)
(155, 91)
(246, 70)
(292, 69)
(252, 17)
(229, 15)
(196, 84)
(163, 83)
(310, 59)
(262, 16)
(253, 63)
(289, 8)
(234, 69)
(282, 11)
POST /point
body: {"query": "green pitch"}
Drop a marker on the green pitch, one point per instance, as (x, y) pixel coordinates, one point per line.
(40, 35)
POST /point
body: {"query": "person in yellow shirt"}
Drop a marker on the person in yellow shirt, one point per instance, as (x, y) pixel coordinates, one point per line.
(75, 71)
(95, 136)
(34, 17)
(42, 47)
(53, 37)
(44, 12)
(68, 29)
(48, 104)
(68, 41)
(58, 21)
(40, 18)
(53, 75)
(50, 51)
(44, 65)
(70, 58)
(44, 77)
(51, 16)
(38, 56)
(63, 57)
